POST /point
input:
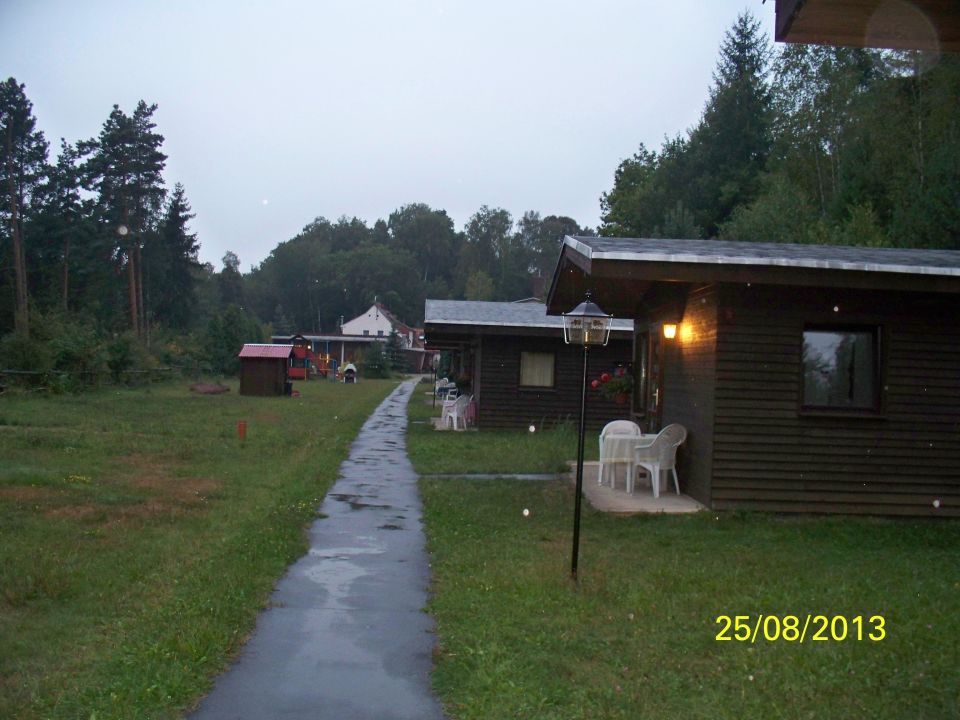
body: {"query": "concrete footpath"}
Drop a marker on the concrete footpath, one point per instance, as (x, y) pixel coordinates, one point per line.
(345, 635)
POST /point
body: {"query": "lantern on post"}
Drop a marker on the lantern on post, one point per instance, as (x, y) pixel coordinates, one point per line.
(585, 325)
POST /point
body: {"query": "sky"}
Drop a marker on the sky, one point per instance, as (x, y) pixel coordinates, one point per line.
(275, 113)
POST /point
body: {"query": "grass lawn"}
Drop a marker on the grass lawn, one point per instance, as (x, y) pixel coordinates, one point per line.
(139, 538)
(546, 450)
(637, 639)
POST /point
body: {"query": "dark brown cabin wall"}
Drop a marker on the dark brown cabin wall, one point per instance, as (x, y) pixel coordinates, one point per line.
(262, 376)
(688, 390)
(768, 455)
(503, 404)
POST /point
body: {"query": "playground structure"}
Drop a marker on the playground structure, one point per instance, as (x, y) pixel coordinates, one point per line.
(306, 362)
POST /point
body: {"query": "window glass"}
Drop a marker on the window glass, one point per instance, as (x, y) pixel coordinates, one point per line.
(840, 369)
(536, 369)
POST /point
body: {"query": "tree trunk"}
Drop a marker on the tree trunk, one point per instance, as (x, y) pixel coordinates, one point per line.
(132, 283)
(21, 316)
(66, 270)
(140, 307)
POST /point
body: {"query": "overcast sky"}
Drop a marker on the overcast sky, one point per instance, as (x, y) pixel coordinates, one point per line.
(277, 112)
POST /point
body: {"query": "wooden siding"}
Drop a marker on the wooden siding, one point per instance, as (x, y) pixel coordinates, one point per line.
(688, 390)
(769, 455)
(504, 404)
(263, 376)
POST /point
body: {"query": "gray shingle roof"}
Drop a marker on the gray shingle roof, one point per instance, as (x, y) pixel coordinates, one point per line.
(499, 314)
(831, 257)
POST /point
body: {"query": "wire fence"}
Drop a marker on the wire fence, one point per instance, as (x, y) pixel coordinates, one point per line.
(74, 380)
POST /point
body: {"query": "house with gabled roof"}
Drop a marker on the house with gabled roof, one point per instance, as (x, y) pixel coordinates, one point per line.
(518, 368)
(810, 378)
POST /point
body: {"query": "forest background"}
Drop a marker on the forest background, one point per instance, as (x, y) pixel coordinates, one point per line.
(99, 269)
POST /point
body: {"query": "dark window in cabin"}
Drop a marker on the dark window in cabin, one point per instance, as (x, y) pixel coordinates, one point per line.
(841, 368)
(536, 369)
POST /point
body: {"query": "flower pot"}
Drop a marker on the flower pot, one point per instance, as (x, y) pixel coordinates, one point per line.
(621, 399)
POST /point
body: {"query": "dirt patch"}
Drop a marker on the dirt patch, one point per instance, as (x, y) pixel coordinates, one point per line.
(209, 388)
(155, 475)
(27, 493)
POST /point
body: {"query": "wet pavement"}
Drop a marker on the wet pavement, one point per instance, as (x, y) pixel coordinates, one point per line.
(345, 635)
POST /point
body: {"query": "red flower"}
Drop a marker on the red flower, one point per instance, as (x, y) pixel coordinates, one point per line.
(605, 377)
(595, 384)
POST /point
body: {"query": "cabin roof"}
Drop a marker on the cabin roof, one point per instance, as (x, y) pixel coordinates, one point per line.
(725, 252)
(498, 314)
(261, 350)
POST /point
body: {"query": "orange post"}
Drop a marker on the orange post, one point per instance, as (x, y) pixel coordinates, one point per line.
(242, 430)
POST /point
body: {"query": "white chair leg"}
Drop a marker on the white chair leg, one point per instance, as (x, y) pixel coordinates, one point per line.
(655, 480)
(600, 474)
(631, 472)
(676, 480)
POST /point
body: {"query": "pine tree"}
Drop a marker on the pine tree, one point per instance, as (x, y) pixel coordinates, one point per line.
(729, 147)
(170, 256)
(23, 167)
(125, 167)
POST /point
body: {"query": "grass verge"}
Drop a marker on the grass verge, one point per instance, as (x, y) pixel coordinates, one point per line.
(637, 638)
(546, 450)
(140, 537)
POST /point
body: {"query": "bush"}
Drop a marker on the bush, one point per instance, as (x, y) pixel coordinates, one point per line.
(375, 363)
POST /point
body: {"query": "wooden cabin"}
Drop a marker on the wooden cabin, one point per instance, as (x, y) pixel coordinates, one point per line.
(932, 25)
(264, 369)
(520, 371)
(810, 378)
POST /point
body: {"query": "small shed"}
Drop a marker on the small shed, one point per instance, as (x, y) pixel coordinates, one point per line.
(264, 369)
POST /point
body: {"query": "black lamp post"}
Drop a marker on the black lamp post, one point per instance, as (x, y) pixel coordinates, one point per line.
(585, 325)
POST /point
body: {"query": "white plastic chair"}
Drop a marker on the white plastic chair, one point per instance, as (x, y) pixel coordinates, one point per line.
(617, 451)
(458, 413)
(660, 454)
(445, 409)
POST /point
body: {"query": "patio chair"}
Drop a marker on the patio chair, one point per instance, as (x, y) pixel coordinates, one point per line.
(617, 442)
(440, 387)
(445, 409)
(660, 454)
(458, 413)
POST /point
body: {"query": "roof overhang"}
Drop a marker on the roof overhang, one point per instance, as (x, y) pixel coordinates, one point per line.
(896, 24)
(619, 279)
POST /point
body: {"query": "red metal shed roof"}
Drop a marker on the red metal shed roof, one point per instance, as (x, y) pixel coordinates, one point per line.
(254, 350)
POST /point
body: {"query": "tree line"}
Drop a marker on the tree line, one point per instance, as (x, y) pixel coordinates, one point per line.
(337, 269)
(805, 144)
(99, 268)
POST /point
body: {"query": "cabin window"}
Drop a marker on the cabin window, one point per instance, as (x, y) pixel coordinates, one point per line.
(536, 369)
(841, 368)
(366, 332)
(379, 333)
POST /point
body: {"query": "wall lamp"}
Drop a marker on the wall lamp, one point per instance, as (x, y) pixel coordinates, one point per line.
(669, 330)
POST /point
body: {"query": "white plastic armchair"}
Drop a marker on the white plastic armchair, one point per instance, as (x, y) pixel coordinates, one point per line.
(458, 413)
(617, 442)
(660, 454)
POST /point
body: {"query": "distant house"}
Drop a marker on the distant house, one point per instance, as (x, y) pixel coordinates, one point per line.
(263, 369)
(810, 378)
(356, 335)
(520, 371)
